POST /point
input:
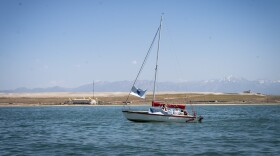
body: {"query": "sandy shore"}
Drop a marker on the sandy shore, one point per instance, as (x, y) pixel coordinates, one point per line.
(117, 98)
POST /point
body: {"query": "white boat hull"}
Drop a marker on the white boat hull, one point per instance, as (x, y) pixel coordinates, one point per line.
(144, 116)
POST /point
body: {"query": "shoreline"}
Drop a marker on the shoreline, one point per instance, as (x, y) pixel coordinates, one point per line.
(134, 105)
(118, 98)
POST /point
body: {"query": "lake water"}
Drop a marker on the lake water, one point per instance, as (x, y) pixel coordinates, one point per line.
(103, 130)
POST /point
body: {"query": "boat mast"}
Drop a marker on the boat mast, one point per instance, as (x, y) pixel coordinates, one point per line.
(156, 69)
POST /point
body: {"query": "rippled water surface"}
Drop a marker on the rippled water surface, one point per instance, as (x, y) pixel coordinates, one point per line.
(103, 130)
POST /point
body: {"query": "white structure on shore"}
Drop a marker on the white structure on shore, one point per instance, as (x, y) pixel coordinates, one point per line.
(88, 101)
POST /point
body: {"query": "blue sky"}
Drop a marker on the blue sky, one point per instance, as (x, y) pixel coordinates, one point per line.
(68, 43)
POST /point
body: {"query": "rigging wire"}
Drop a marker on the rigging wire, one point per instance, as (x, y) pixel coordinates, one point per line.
(144, 62)
(179, 68)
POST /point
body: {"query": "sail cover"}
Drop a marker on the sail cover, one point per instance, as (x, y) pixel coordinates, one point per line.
(138, 92)
(158, 104)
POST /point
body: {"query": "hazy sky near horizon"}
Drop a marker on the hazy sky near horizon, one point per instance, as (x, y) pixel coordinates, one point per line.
(45, 43)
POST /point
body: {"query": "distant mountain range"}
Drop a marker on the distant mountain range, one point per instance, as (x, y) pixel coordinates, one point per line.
(226, 85)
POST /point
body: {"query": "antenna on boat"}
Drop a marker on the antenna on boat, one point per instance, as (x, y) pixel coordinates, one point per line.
(93, 89)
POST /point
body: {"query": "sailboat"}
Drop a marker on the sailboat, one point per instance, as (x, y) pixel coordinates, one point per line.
(159, 111)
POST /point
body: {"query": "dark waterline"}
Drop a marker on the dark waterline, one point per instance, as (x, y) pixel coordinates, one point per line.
(226, 130)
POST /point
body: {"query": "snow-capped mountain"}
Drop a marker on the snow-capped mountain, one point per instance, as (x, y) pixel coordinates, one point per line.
(228, 85)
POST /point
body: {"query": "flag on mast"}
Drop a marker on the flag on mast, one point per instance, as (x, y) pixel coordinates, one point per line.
(138, 92)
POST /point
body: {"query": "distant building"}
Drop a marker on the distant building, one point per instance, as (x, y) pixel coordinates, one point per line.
(247, 91)
(88, 101)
